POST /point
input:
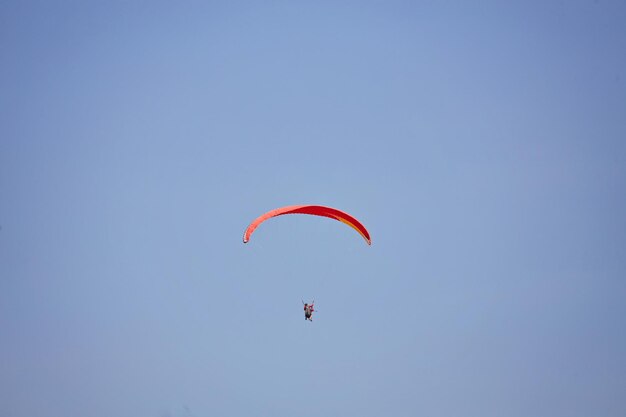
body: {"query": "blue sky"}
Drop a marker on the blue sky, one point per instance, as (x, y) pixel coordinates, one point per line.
(483, 145)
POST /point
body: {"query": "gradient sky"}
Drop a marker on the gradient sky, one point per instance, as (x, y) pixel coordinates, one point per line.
(482, 143)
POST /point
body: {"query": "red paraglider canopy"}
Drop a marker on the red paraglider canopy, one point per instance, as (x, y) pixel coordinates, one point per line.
(311, 210)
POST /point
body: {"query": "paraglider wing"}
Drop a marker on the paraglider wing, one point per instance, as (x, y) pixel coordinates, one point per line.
(311, 210)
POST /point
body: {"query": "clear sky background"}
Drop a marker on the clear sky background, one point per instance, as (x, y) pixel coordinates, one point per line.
(482, 143)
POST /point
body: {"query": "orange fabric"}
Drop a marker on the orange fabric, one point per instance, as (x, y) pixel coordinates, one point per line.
(311, 210)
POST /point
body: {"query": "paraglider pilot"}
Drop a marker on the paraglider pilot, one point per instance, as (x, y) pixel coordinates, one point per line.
(308, 311)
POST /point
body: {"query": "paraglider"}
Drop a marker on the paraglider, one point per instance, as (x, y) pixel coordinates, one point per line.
(309, 309)
(313, 210)
(323, 211)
